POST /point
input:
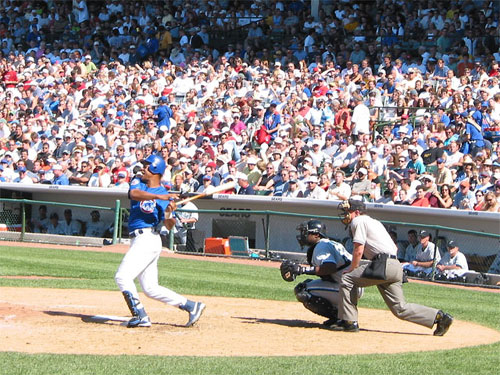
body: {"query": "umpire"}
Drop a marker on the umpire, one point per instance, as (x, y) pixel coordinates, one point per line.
(372, 240)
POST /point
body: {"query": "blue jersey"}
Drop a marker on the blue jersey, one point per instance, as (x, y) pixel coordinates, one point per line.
(146, 214)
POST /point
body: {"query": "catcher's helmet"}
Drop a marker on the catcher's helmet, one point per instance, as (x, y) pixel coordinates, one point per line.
(311, 226)
(316, 226)
(156, 164)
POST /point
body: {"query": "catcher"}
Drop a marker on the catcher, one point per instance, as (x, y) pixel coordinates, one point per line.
(327, 259)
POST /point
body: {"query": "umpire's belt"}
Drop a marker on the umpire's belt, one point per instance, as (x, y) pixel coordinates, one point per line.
(388, 256)
(138, 232)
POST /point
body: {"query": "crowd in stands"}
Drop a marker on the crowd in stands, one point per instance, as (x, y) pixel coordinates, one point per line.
(389, 101)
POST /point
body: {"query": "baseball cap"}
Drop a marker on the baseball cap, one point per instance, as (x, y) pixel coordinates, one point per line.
(312, 179)
(57, 168)
(122, 174)
(363, 171)
(465, 183)
(424, 233)
(451, 244)
(206, 177)
(440, 160)
(21, 169)
(427, 177)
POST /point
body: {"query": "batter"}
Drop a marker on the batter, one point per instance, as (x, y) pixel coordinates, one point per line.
(150, 206)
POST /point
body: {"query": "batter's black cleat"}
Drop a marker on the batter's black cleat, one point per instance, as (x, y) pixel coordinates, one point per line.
(443, 322)
(195, 314)
(345, 326)
(137, 321)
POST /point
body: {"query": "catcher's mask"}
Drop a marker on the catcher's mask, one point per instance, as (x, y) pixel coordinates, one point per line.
(346, 207)
(307, 227)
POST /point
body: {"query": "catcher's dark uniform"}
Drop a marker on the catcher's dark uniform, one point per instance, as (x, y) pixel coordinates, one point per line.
(321, 295)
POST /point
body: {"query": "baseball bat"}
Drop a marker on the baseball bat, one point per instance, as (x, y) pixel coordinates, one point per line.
(208, 192)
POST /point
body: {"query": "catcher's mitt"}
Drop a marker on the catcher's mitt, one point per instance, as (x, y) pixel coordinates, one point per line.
(289, 270)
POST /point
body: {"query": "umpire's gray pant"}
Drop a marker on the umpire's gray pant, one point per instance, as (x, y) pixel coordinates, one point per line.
(390, 289)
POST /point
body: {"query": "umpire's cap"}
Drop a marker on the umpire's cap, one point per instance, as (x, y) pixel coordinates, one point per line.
(356, 204)
(156, 164)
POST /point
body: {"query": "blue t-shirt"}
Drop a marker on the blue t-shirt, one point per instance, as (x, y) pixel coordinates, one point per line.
(146, 214)
(475, 134)
(61, 180)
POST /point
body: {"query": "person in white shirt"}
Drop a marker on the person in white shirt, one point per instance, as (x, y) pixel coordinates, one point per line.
(377, 164)
(54, 227)
(339, 190)
(360, 117)
(313, 191)
(22, 178)
(453, 264)
(69, 226)
(316, 154)
(95, 227)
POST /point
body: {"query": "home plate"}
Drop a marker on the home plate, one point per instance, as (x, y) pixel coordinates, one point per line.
(105, 318)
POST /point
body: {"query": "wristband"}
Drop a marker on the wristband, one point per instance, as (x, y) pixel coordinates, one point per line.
(308, 270)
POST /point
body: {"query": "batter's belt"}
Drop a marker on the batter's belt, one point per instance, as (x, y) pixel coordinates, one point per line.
(138, 232)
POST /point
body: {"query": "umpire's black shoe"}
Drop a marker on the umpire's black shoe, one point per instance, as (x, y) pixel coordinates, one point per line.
(330, 322)
(443, 322)
(346, 326)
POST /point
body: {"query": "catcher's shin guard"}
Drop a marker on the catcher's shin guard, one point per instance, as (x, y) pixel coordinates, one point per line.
(317, 305)
(140, 318)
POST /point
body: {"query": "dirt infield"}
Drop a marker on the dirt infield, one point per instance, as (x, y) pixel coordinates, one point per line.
(91, 322)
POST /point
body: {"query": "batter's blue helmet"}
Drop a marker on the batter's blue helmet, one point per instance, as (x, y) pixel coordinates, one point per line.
(156, 164)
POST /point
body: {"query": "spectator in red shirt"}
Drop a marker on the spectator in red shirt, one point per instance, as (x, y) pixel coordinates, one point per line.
(420, 200)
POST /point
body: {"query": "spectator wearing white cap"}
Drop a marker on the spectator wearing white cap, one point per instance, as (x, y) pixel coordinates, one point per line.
(59, 177)
(361, 187)
(313, 190)
(317, 155)
(244, 185)
(377, 164)
(252, 171)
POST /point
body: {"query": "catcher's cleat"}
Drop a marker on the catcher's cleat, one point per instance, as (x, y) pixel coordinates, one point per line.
(137, 321)
(195, 314)
(345, 325)
(443, 321)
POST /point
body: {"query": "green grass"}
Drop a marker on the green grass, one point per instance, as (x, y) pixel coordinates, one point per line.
(95, 270)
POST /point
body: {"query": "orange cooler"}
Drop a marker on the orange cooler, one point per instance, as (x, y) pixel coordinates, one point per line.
(216, 245)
